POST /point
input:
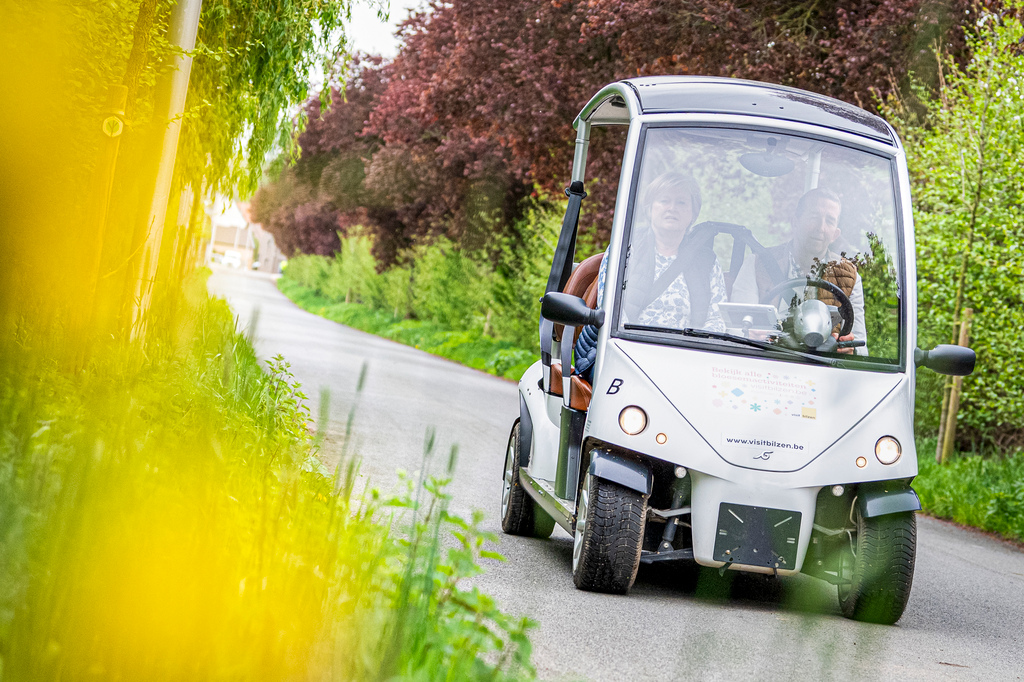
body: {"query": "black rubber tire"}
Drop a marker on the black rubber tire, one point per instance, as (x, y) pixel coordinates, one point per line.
(882, 570)
(607, 544)
(520, 514)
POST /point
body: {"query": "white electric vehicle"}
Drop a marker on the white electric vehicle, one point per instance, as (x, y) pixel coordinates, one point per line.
(748, 410)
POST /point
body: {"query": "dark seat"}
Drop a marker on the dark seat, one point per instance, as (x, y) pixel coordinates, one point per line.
(583, 283)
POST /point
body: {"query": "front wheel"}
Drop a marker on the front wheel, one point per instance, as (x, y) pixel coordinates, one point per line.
(520, 515)
(878, 568)
(609, 536)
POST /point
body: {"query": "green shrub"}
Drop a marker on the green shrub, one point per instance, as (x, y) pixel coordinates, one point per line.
(521, 275)
(965, 158)
(162, 516)
(506, 359)
(394, 291)
(449, 287)
(350, 276)
(984, 492)
(309, 271)
(461, 309)
(443, 284)
(467, 346)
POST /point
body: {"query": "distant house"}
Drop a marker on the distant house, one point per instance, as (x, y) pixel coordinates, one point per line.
(237, 241)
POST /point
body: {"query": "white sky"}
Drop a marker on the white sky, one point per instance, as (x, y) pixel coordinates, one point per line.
(370, 34)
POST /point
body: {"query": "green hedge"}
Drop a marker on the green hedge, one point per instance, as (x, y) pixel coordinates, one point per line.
(469, 347)
(964, 149)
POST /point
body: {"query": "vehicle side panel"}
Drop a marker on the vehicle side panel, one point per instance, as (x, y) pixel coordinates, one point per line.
(544, 445)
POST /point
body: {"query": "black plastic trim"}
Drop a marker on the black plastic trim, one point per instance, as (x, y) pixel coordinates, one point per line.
(569, 443)
(525, 433)
(886, 497)
(617, 469)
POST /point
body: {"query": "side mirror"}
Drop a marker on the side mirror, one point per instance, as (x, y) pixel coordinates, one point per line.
(946, 359)
(569, 310)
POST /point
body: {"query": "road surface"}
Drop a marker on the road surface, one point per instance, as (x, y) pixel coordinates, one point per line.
(965, 620)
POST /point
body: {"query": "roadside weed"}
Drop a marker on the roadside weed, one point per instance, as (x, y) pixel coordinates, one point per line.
(161, 517)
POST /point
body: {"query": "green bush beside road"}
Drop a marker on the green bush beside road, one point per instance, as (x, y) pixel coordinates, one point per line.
(984, 492)
(469, 347)
(162, 516)
(963, 147)
(445, 304)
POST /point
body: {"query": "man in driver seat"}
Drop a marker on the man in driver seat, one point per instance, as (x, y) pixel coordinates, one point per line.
(808, 254)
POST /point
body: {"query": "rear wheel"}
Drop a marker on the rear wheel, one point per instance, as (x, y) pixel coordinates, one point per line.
(878, 568)
(609, 536)
(520, 515)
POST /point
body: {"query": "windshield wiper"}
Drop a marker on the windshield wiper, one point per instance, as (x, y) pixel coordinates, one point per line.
(647, 328)
(763, 345)
(722, 336)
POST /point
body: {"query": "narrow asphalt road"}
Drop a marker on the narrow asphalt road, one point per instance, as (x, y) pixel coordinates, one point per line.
(965, 620)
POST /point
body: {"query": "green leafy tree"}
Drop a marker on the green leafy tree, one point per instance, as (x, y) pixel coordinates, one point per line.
(966, 156)
(75, 202)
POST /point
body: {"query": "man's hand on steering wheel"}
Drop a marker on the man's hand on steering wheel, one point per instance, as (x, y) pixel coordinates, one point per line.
(845, 305)
(848, 337)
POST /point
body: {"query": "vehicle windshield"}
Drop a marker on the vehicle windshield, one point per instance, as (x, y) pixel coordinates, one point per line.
(784, 240)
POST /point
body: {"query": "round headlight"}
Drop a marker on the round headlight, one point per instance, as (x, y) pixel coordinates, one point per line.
(888, 450)
(632, 420)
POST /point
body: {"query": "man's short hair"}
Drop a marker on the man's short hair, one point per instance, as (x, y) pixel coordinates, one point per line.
(815, 195)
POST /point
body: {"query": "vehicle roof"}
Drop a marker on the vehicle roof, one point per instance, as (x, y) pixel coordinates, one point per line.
(708, 94)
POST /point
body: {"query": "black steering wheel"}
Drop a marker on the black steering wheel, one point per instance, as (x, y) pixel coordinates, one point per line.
(845, 306)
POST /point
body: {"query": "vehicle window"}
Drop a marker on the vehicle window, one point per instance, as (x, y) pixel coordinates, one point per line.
(783, 240)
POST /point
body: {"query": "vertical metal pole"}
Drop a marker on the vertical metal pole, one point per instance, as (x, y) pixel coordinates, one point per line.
(579, 160)
(172, 89)
(813, 170)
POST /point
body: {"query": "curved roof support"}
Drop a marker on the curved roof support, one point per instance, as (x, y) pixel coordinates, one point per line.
(614, 104)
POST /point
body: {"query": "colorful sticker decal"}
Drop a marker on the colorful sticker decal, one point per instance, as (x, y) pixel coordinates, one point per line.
(770, 394)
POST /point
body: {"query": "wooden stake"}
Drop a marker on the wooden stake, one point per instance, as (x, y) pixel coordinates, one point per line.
(949, 437)
(947, 385)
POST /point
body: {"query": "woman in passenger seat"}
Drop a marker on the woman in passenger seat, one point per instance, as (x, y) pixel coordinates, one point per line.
(672, 281)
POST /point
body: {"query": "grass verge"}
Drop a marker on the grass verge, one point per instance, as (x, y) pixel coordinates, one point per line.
(984, 492)
(159, 519)
(468, 347)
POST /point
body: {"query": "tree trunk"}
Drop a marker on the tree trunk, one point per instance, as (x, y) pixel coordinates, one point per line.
(171, 92)
(949, 437)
